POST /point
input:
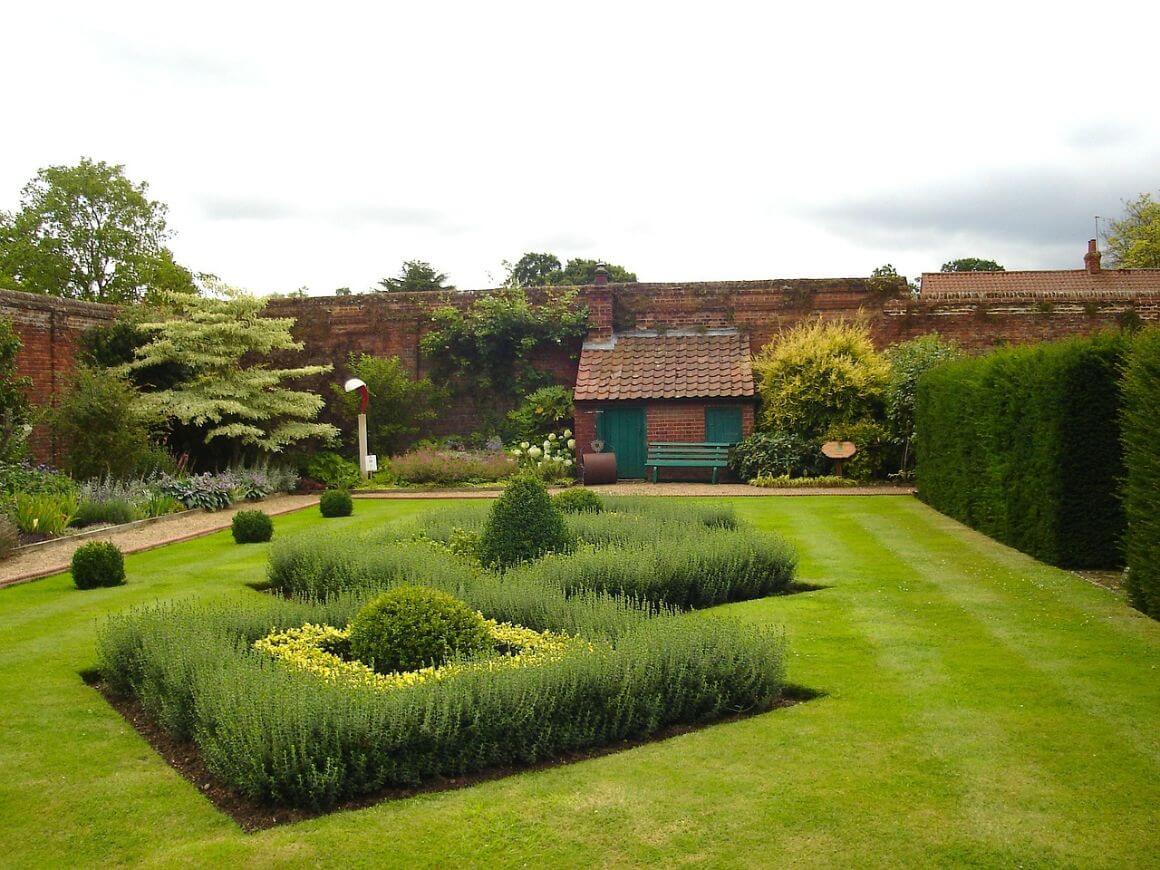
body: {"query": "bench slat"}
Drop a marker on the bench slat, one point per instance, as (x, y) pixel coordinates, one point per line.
(682, 454)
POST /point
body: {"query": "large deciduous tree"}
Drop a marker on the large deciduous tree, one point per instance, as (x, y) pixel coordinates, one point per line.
(543, 270)
(416, 275)
(1134, 241)
(971, 264)
(88, 232)
(222, 342)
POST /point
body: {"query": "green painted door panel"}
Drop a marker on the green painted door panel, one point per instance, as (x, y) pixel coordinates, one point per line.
(723, 423)
(624, 433)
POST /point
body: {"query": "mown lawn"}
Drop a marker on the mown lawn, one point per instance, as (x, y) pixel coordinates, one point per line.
(980, 708)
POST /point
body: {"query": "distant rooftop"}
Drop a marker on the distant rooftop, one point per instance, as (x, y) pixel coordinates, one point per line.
(1090, 281)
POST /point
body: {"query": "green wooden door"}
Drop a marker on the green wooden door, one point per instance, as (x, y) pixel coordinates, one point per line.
(723, 424)
(624, 433)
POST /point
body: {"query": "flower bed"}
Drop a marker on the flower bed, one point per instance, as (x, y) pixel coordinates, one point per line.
(290, 736)
(283, 711)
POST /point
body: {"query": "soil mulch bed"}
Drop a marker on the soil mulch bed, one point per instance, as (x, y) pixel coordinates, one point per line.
(252, 815)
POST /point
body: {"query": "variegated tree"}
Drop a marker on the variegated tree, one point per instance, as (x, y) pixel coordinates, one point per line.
(223, 342)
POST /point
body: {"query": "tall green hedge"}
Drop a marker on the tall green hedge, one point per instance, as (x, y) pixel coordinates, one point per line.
(1141, 414)
(1024, 445)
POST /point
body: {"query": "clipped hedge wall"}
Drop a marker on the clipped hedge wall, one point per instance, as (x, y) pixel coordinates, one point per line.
(1141, 412)
(1024, 445)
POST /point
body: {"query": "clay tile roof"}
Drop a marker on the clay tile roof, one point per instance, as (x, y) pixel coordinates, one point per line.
(1062, 283)
(675, 365)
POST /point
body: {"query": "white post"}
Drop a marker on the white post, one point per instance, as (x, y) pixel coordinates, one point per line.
(362, 447)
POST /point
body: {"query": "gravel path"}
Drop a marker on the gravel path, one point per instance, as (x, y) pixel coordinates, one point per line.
(53, 557)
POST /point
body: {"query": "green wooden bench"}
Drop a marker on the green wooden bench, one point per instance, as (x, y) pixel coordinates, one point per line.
(675, 454)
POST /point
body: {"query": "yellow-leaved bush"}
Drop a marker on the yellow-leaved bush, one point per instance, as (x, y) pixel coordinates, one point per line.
(818, 374)
(315, 650)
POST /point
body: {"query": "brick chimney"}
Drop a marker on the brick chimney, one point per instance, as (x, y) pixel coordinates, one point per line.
(601, 275)
(1091, 260)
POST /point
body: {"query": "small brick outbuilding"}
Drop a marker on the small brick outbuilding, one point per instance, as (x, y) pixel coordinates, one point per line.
(641, 386)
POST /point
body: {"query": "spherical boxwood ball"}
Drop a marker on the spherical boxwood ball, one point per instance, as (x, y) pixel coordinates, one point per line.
(411, 627)
(98, 563)
(578, 501)
(336, 503)
(252, 527)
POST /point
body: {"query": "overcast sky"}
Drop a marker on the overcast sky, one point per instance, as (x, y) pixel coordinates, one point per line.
(322, 144)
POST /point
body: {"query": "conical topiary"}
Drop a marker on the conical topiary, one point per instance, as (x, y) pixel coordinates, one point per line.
(523, 525)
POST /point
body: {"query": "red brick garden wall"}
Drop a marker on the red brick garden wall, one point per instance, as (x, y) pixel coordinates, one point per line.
(393, 323)
(49, 329)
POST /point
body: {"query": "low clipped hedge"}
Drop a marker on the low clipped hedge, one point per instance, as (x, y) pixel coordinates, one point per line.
(286, 737)
(1141, 413)
(336, 503)
(1024, 445)
(96, 564)
(577, 501)
(252, 527)
(682, 571)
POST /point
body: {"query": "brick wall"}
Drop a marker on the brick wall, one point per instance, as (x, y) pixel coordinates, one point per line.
(392, 324)
(49, 329)
(332, 327)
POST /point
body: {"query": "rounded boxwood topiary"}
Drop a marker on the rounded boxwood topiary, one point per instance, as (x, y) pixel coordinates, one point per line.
(336, 503)
(523, 525)
(411, 627)
(98, 563)
(252, 527)
(578, 501)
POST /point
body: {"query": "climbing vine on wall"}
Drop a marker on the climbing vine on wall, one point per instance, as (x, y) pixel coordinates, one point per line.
(487, 347)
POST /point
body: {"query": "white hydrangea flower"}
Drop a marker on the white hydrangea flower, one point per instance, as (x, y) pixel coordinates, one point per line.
(524, 444)
(552, 437)
(535, 452)
(567, 461)
(571, 443)
(567, 433)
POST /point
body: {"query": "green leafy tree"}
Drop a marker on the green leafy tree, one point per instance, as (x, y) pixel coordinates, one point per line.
(580, 271)
(416, 275)
(535, 270)
(818, 374)
(910, 360)
(398, 408)
(1134, 241)
(15, 412)
(88, 232)
(971, 264)
(544, 270)
(104, 426)
(222, 340)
